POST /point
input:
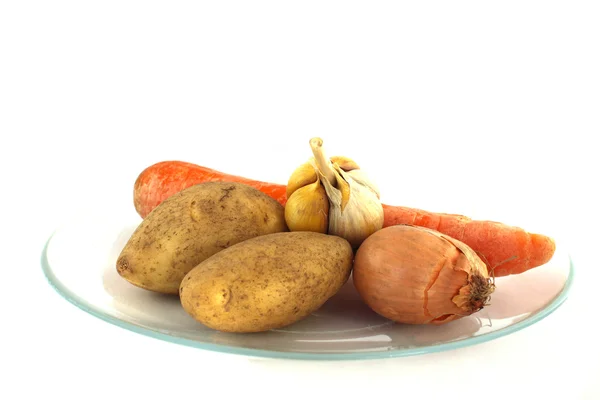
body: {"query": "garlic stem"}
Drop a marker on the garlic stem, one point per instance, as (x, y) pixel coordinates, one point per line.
(323, 163)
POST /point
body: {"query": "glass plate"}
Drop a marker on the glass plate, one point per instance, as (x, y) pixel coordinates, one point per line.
(79, 262)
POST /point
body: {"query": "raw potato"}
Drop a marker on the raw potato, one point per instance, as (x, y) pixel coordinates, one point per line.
(267, 282)
(191, 226)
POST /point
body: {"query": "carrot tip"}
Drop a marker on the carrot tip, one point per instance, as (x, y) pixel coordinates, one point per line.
(543, 248)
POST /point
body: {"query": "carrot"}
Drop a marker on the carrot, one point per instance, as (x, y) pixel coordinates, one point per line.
(164, 179)
(505, 249)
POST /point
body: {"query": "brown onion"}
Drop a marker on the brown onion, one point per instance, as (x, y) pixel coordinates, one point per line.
(416, 275)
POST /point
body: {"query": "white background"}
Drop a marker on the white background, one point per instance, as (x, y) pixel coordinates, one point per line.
(484, 109)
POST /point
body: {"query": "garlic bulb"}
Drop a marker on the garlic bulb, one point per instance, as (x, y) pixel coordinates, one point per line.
(352, 210)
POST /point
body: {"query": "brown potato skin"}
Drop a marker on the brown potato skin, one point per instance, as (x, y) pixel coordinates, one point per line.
(191, 226)
(267, 282)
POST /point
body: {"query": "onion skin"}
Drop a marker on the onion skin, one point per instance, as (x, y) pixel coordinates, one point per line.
(416, 275)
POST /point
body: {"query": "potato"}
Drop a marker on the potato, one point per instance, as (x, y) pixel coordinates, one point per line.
(191, 226)
(267, 282)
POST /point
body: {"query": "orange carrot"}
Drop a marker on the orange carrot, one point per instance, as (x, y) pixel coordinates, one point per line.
(164, 179)
(505, 249)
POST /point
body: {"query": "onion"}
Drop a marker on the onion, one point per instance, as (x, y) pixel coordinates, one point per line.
(416, 275)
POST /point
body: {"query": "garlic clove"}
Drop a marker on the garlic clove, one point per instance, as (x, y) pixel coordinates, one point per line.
(304, 175)
(345, 163)
(343, 186)
(362, 178)
(356, 217)
(307, 209)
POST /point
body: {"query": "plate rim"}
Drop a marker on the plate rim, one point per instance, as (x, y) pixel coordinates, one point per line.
(68, 295)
